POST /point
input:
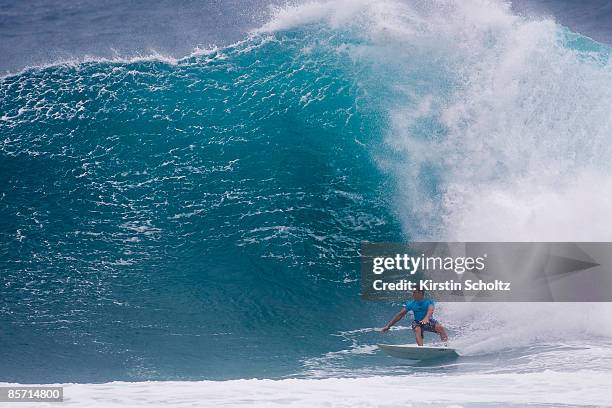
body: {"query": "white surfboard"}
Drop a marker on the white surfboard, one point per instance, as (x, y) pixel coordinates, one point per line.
(414, 352)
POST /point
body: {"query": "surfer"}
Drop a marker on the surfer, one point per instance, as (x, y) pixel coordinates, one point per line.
(422, 310)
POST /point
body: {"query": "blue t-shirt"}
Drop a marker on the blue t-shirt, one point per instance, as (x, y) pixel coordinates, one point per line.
(419, 308)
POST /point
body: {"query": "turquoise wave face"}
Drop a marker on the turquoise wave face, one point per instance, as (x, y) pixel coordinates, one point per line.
(156, 215)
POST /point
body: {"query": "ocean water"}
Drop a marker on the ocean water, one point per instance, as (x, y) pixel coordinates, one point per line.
(196, 220)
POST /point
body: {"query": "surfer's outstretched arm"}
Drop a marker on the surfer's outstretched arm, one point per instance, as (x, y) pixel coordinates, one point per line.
(395, 319)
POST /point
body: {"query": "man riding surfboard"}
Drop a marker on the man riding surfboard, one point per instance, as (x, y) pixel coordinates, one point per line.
(422, 310)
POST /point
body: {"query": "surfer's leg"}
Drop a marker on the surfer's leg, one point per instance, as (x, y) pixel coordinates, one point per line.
(418, 333)
(440, 330)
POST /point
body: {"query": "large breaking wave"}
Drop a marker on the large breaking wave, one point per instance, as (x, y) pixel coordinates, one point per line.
(156, 213)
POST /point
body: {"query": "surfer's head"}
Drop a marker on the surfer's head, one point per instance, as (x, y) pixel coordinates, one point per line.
(418, 294)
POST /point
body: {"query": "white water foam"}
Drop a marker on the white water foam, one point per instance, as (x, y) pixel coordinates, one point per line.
(525, 156)
(581, 388)
(493, 327)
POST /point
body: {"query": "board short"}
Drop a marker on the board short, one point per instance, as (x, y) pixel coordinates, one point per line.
(430, 326)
